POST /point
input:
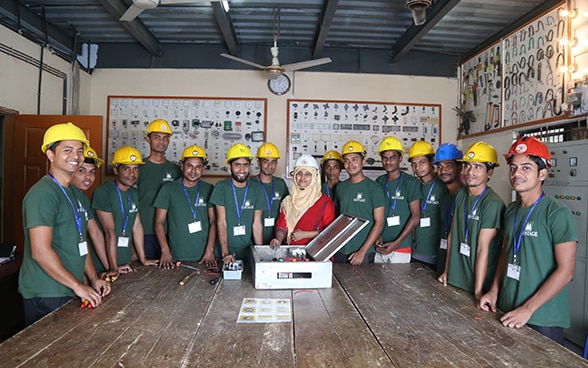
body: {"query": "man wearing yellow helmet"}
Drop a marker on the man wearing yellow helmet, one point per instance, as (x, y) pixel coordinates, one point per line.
(239, 206)
(185, 205)
(359, 196)
(55, 221)
(474, 242)
(274, 188)
(403, 206)
(117, 207)
(156, 171)
(427, 234)
(331, 165)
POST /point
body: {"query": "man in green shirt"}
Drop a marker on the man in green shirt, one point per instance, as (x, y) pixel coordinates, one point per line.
(403, 206)
(474, 242)
(448, 171)
(239, 206)
(55, 223)
(359, 196)
(156, 171)
(185, 204)
(427, 233)
(116, 205)
(539, 253)
(274, 188)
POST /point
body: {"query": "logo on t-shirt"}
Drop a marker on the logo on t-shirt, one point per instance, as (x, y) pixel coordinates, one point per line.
(247, 205)
(398, 195)
(432, 200)
(474, 215)
(201, 202)
(529, 230)
(359, 198)
(133, 208)
(168, 177)
(277, 195)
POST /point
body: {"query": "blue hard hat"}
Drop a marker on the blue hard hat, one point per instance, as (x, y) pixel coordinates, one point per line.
(448, 151)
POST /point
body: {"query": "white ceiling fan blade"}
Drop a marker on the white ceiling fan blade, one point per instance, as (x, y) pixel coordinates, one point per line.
(131, 13)
(250, 63)
(306, 64)
(172, 2)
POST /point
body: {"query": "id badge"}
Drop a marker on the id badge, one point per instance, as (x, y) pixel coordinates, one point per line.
(443, 244)
(513, 271)
(123, 242)
(269, 222)
(425, 222)
(393, 221)
(239, 230)
(83, 248)
(194, 227)
(464, 249)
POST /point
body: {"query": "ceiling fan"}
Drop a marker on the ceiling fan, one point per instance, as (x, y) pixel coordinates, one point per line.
(138, 6)
(275, 69)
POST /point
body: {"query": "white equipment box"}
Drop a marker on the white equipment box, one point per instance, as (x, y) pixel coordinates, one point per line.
(288, 267)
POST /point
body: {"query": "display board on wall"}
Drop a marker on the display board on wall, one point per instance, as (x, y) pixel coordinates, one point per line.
(517, 80)
(317, 126)
(212, 123)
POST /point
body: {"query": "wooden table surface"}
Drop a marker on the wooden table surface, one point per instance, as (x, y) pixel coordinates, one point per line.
(373, 316)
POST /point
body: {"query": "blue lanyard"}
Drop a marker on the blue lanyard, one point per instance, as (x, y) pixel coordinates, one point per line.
(193, 208)
(424, 205)
(76, 213)
(465, 208)
(448, 217)
(269, 201)
(239, 210)
(122, 209)
(393, 204)
(517, 244)
(328, 190)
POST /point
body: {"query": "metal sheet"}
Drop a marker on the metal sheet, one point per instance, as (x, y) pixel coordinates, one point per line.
(335, 236)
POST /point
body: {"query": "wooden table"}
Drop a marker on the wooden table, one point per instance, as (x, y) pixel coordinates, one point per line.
(373, 316)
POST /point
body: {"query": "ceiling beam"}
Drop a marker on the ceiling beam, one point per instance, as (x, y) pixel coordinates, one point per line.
(327, 19)
(136, 28)
(535, 13)
(27, 20)
(226, 26)
(413, 34)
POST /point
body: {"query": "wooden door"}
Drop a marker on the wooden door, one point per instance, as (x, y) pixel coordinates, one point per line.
(25, 164)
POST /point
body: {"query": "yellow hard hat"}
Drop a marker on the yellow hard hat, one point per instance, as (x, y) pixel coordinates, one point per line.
(481, 152)
(127, 155)
(158, 126)
(63, 132)
(420, 148)
(353, 147)
(195, 151)
(238, 150)
(390, 144)
(331, 155)
(91, 154)
(268, 150)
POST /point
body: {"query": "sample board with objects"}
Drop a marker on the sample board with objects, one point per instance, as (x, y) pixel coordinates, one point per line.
(318, 126)
(212, 123)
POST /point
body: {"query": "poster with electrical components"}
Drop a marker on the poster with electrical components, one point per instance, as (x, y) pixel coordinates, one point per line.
(315, 127)
(481, 91)
(214, 124)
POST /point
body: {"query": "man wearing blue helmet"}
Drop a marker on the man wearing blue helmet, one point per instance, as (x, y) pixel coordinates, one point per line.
(448, 171)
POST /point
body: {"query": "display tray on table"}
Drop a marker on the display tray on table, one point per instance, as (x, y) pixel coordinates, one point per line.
(284, 268)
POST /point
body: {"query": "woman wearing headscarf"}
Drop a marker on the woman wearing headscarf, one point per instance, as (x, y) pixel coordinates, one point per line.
(306, 211)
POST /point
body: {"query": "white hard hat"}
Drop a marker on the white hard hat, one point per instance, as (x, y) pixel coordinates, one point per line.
(307, 161)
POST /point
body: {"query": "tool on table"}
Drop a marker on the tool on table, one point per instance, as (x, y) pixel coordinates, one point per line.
(215, 280)
(86, 303)
(180, 264)
(187, 278)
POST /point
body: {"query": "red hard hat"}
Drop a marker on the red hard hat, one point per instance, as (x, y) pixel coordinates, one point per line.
(530, 146)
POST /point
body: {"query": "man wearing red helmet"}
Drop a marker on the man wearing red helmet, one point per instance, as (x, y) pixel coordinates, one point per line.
(538, 258)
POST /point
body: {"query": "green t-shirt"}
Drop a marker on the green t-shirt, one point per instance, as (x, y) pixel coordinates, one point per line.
(280, 190)
(360, 200)
(550, 223)
(330, 192)
(186, 246)
(399, 193)
(45, 205)
(224, 195)
(426, 238)
(106, 198)
(447, 211)
(488, 214)
(151, 178)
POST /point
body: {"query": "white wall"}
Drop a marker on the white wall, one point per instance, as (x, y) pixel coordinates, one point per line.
(306, 85)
